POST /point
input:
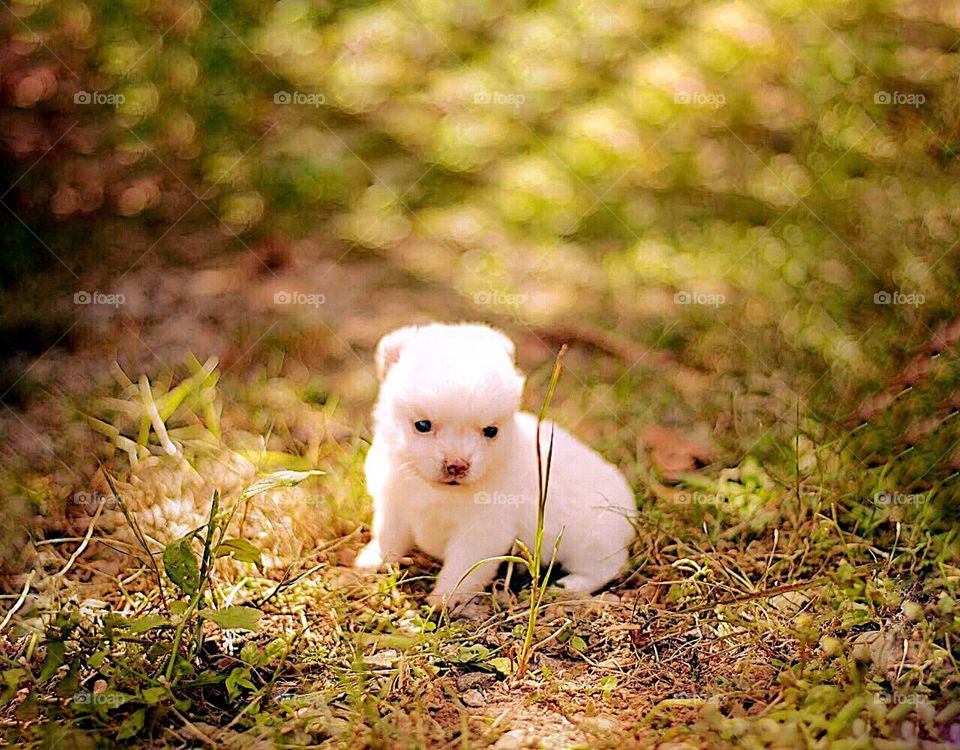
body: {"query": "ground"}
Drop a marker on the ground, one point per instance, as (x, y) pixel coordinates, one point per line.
(768, 603)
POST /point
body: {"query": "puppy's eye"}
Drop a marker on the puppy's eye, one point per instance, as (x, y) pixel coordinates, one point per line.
(423, 425)
(490, 432)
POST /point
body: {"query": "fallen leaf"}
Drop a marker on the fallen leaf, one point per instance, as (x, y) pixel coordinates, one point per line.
(672, 453)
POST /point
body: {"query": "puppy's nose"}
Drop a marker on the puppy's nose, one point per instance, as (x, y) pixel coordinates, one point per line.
(456, 469)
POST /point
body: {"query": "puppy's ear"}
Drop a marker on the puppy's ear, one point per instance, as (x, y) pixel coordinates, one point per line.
(389, 348)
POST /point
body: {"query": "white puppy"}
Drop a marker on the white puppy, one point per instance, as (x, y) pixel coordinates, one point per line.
(453, 467)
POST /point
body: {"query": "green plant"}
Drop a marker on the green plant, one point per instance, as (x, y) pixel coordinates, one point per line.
(150, 662)
(532, 560)
(142, 410)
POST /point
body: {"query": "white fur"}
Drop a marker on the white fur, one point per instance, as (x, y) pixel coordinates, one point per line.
(462, 378)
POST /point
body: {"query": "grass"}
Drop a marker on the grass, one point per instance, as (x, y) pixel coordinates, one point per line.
(532, 559)
(768, 604)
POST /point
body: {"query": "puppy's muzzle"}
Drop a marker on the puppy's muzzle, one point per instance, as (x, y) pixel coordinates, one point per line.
(455, 470)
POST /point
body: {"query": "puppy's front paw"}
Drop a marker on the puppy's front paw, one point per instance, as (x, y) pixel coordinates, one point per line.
(438, 600)
(459, 605)
(370, 559)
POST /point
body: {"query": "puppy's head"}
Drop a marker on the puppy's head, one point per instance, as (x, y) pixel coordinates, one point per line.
(448, 394)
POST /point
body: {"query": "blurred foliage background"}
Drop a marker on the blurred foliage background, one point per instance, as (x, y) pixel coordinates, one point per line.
(732, 181)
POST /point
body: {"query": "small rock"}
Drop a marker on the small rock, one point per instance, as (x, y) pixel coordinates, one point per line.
(344, 558)
(516, 739)
(615, 663)
(789, 602)
(383, 659)
(473, 699)
(475, 680)
(884, 649)
(599, 725)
